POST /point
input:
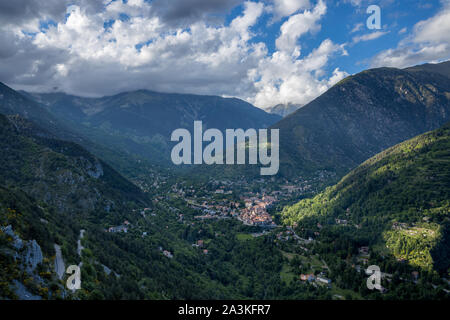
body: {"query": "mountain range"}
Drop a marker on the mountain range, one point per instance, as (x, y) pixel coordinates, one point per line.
(284, 109)
(363, 115)
(61, 162)
(141, 122)
(355, 119)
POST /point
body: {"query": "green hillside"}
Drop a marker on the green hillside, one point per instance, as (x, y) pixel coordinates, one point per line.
(400, 199)
(51, 190)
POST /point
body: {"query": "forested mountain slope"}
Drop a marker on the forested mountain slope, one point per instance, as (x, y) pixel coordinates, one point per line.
(361, 116)
(399, 199)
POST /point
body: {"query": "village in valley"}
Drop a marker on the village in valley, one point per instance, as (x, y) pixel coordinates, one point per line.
(194, 204)
(251, 204)
(248, 203)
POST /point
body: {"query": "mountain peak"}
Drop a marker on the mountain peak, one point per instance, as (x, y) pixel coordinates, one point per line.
(361, 116)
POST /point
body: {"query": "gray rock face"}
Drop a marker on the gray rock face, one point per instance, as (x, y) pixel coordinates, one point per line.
(106, 269)
(29, 255)
(79, 246)
(17, 242)
(32, 256)
(94, 170)
(60, 267)
(32, 253)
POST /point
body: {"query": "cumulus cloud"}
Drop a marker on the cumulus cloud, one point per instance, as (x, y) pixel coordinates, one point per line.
(27, 14)
(107, 47)
(285, 78)
(285, 8)
(186, 12)
(139, 52)
(288, 77)
(299, 24)
(428, 42)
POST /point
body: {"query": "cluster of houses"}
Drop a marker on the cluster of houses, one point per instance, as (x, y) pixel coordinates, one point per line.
(256, 217)
(255, 211)
(216, 210)
(341, 222)
(293, 189)
(200, 244)
(289, 234)
(222, 191)
(254, 214)
(313, 278)
(122, 228)
(399, 226)
(166, 253)
(146, 211)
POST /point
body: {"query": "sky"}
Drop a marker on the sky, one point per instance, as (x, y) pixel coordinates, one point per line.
(265, 52)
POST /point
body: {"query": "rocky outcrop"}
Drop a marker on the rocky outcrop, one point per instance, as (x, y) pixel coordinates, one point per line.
(28, 252)
(17, 242)
(32, 256)
(60, 267)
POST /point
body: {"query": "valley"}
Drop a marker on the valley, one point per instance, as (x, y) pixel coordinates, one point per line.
(85, 182)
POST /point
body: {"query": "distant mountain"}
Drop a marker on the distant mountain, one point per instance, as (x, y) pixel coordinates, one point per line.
(398, 199)
(442, 68)
(141, 122)
(14, 103)
(361, 116)
(284, 109)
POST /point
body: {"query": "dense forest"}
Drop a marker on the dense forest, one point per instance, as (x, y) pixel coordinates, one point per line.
(396, 202)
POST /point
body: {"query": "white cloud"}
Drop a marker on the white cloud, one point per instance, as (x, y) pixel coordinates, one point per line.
(285, 8)
(356, 3)
(96, 61)
(357, 27)
(299, 24)
(82, 56)
(251, 14)
(369, 36)
(435, 29)
(428, 42)
(285, 78)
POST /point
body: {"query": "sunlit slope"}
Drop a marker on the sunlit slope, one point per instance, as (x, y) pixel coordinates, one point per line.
(400, 198)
